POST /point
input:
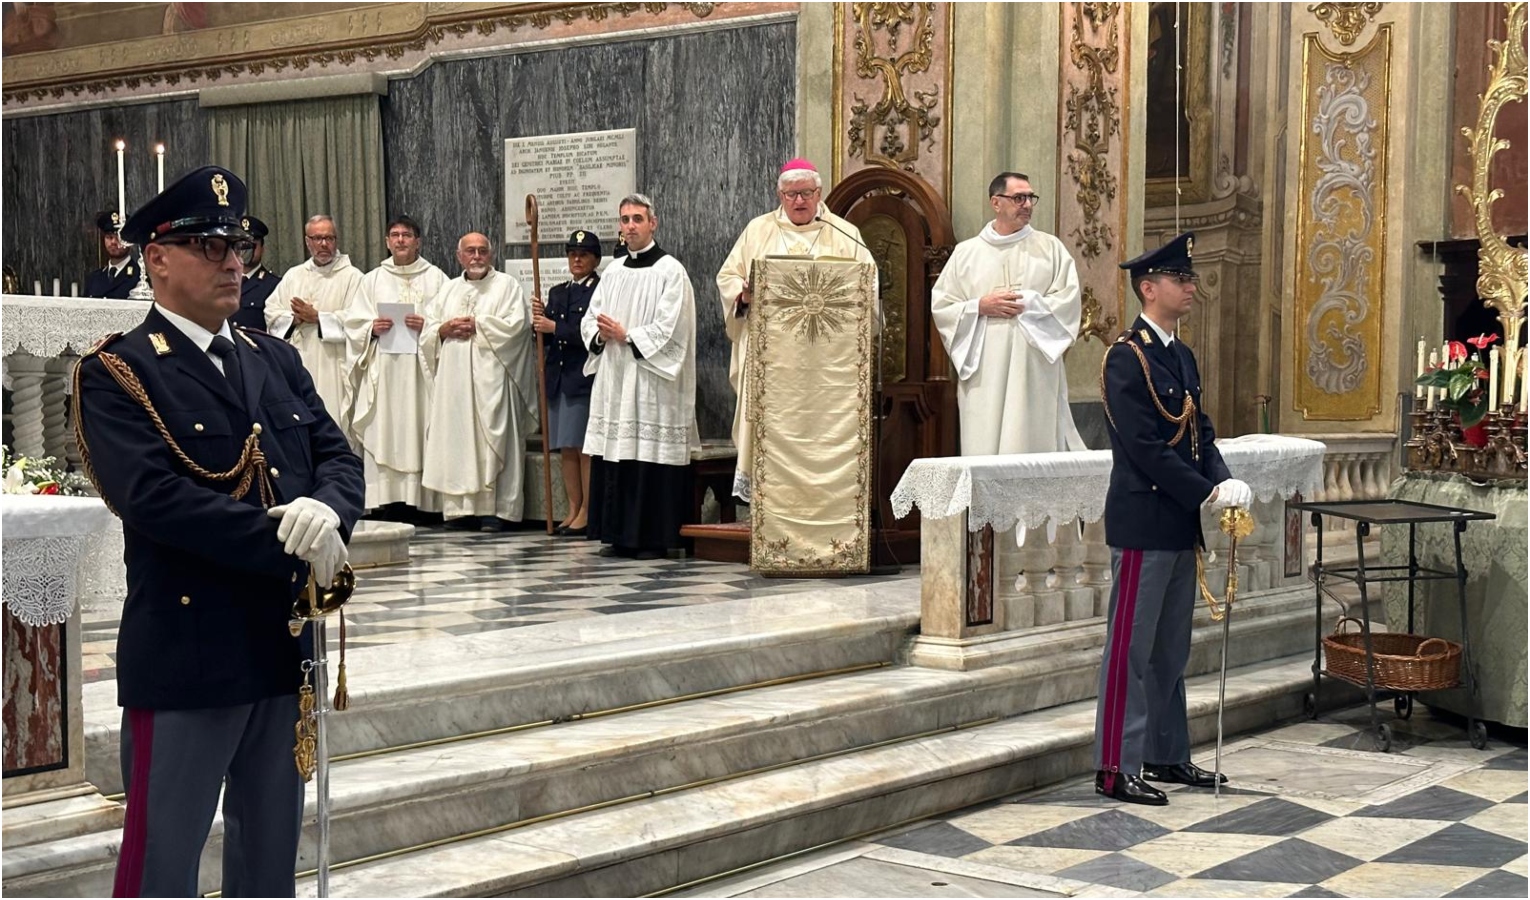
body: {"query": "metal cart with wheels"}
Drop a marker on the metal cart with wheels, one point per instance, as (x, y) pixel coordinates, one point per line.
(1365, 514)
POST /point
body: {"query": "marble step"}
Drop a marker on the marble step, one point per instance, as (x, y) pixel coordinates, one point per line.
(439, 689)
(390, 801)
(675, 839)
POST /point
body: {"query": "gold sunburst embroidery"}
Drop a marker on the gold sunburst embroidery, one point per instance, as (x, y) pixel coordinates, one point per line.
(813, 302)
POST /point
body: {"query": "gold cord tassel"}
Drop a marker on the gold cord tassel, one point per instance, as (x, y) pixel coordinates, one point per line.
(342, 696)
(1237, 524)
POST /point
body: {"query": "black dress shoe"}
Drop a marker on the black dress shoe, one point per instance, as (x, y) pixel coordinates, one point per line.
(1128, 789)
(576, 532)
(560, 531)
(610, 550)
(1181, 773)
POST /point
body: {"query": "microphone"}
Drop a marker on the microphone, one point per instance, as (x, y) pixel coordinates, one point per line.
(843, 232)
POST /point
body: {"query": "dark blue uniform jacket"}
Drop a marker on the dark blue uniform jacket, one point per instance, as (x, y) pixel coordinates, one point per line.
(209, 588)
(1156, 490)
(100, 283)
(566, 354)
(252, 298)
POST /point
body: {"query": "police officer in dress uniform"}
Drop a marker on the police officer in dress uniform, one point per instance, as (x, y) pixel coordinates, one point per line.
(259, 281)
(231, 481)
(120, 274)
(1165, 469)
(568, 388)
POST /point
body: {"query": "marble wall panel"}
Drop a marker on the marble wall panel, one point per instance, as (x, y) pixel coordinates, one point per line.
(59, 170)
(715, 116)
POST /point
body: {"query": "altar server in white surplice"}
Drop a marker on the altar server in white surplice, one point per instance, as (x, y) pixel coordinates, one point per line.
(800, 226)
(308, 310)
(640, 329)
(478, 343)
(1007, 306)
(393, 388)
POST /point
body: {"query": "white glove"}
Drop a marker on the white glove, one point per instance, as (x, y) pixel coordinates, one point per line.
(327, 557)
(304, 522)
(1231, 492)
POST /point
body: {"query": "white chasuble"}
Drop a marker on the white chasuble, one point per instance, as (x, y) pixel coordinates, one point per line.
(483, 403)
(392, 389)
(324, 345)
(771, 234)
(644, 407)
(1012, 391)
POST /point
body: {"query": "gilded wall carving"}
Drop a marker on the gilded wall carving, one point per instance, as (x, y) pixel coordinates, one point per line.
(1341, 229)
(1345, 20)
(283, 39)
(1091, 208)
(892, 98)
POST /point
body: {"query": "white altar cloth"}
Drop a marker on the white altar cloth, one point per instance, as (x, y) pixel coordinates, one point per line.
(46, 326)
(1031, 488)
(42, 540)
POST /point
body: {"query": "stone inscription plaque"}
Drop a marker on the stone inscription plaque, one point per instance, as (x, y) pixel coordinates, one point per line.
(578, 180)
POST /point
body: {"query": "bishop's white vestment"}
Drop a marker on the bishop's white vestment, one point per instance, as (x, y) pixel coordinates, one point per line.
(772, 234)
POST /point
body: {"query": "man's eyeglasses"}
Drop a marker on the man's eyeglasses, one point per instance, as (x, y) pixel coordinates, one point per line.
(216, 249)
(799, 195)
(1022, 199)
(320, 238)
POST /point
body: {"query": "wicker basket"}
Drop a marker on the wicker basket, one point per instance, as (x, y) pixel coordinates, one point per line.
(1404, 662)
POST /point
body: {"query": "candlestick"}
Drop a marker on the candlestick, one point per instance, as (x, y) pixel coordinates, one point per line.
(121, 181)
(159, 153)
(1434, 358)
(1492, 386)
(1510, 368)
(1418, 390)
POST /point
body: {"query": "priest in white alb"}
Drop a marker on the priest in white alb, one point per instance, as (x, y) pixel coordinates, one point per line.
(478, 344)
(1007, 307)
(640, 328)
(393, 380)
(801, 226)
(308, 310)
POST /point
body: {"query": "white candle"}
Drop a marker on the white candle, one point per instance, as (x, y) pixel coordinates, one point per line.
(121, 181)
(1523, 394)
(37, 289)
(1434, 358)
(1492, 385)
(1510, 362)
(1418, 390)
(159, 153)
(74, 289)
(55, 288)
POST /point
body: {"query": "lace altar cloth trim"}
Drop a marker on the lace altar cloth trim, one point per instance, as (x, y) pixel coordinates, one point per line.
(47, 326)
(1030, 489)
(44, 543)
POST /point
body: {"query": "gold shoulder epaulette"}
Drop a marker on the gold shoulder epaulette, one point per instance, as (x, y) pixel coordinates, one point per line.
(239, 330)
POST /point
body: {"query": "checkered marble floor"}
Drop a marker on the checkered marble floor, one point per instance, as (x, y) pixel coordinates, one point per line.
(459, 583)
(1311, 812)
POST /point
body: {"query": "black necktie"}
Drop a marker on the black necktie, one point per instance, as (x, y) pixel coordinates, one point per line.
(224, 348)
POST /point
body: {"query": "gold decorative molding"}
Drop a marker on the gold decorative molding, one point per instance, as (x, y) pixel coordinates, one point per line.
(903, 51)
(1345, 20)
(1093, 119)
(1341, 235)
(1195, 185)
(362, 34)
(1504, 271)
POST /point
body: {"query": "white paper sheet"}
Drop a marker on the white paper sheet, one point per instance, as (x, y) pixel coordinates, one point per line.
(399, 339)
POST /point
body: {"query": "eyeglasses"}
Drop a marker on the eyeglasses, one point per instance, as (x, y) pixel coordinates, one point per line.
(475, 251)
(799, 195)
(216, 249)
(320, 238)
(1021, 199)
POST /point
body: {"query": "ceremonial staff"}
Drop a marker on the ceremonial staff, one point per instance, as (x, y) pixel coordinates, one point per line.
(532, 215)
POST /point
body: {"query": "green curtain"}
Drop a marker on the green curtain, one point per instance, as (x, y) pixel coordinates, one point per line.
(302, 158)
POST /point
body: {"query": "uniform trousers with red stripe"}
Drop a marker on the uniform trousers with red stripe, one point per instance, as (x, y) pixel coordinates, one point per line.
(1141, 713)
(174, 763)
